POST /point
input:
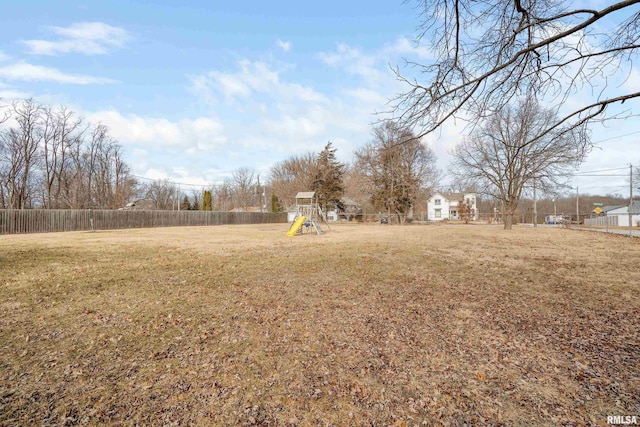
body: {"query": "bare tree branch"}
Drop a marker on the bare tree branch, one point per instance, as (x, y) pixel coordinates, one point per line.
(492, 51)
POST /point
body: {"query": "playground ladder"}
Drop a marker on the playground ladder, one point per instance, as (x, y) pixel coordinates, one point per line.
(316, 225)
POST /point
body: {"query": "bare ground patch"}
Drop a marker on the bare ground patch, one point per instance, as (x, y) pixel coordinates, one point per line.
(366, 325)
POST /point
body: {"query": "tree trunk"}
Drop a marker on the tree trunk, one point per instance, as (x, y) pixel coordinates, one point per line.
(509, 212)
(508, 220)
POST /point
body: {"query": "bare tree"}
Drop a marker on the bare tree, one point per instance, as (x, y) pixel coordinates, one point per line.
(502, 159)
(99, 178)
(488, 52)
(357, 187)
(4, 165)
(61, 130)
(291, 176)
(162, 193)
(48, 155)
(397, 166)
(124, 183)
(222, 195)
(19, 154)
(243, 183)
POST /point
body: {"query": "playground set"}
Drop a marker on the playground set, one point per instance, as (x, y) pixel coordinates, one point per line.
(308, 215)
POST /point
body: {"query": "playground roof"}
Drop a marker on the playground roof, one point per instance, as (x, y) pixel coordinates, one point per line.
(306, 195)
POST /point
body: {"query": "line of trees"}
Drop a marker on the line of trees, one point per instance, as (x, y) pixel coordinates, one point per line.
(50, 157)
(393, 173)
(386, 175)
(242, 191)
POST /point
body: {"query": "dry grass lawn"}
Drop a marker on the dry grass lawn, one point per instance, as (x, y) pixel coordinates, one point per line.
(368, 325)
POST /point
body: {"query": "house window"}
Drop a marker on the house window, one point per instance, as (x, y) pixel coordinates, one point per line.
(438, 213)
(437, 202)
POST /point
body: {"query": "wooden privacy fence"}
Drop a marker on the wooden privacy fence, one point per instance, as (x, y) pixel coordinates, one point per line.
(611, 220)
(15, 221)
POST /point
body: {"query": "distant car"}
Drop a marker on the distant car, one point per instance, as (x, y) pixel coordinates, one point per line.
(384, 220)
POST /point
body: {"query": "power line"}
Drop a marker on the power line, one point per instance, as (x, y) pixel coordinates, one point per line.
(616, 137)
(173, 182)
(610, 187)
(600, 174)
(603, 170)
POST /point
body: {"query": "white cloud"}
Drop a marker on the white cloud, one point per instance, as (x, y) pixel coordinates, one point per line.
(253, 77)
(285, 46)
(405, 47)
(367, 96)
(370, 67)
(89, 38)
(306, 127)
(373, 67)
(4, 56)
(7, 93)
(343, 52)
(273, 115)
(201, 134)
(631, 81)
(23, 71)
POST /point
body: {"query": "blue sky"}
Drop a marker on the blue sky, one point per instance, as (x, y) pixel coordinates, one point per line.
(196, 89)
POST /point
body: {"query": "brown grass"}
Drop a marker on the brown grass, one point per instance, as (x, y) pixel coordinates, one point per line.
(366, 325)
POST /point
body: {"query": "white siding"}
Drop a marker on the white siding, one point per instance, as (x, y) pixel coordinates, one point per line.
(447, 206)
(623, 216)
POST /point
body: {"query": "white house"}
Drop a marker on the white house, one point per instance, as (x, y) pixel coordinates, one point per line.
(447, 206)
(622, 214)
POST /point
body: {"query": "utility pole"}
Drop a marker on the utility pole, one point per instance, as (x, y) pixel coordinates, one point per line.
(577, 207)
(630, 199)
(535, 205)
(260, 194)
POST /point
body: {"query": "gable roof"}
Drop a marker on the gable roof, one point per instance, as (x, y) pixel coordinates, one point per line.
(611, 208)
(305, 195)
(635, 208)
(455, 197)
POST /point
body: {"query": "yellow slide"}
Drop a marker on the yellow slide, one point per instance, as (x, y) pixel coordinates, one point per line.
(296, 226)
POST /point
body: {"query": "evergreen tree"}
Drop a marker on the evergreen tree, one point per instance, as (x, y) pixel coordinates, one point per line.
(328, 183)
(206, 201)
(195, 204)
(275, 204)
(185, 205)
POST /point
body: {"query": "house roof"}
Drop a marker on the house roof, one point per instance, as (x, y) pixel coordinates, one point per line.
(611, 208)
(635, 208)
(306, 195)
(456, 197)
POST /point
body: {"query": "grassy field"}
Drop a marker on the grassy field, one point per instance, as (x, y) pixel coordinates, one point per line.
(368, 325)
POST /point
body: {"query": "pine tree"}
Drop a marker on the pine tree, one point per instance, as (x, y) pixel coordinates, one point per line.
(328, 183)
(185, 205)
(195, 205)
